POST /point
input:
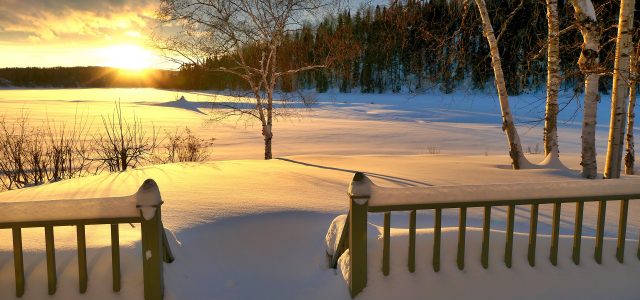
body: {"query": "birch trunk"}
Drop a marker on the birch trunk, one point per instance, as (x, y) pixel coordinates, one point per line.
(268, 137)
(553, 79)
(630, 155)
(620, 90)
(588, 64)
(515, 148)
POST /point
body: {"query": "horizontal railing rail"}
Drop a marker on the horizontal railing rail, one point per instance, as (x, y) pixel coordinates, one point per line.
(367, 197)
(143, 207)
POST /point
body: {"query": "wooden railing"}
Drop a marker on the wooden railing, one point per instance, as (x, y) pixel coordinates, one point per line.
(142, 207)
(367, 197)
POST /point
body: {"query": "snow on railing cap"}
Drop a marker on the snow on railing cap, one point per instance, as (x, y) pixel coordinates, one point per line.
(148, 198)
(360, 188)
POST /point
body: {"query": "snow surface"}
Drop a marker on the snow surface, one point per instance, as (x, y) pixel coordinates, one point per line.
(243, 228)
(265, 237)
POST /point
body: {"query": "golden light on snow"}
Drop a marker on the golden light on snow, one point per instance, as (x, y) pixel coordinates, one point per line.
(129, 57)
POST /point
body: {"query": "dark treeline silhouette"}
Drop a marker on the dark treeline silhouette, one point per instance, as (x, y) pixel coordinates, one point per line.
(411, 45)
(90, 77)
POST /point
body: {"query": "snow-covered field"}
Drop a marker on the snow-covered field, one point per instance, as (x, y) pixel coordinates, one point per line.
(244, 228)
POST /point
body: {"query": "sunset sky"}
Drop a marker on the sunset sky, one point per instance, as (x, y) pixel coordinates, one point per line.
(47, 33)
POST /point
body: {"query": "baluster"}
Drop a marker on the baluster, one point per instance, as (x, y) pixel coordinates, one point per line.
(533, 232)
(18, 261)
(555, 233)
(82, 258)
(115, 256)
(508, 248)
(622, 229)
(437, 232)
(412, 241)
(386, 243)
(461, 236)
(51, 259)
(602, 211)
(577, 233)
(486, 227)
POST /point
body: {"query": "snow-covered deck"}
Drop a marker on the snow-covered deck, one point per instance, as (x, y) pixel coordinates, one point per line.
(253, 229)
(495, 194)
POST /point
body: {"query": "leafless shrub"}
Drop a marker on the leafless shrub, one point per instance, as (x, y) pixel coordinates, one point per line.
(36, 155)
(12, 151)
(123, 144)
(33, 155)
(68, 150)
(433, 149)
(535, 149)
(184, 146)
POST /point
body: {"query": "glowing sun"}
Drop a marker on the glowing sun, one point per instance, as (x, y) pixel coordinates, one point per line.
(130, 57)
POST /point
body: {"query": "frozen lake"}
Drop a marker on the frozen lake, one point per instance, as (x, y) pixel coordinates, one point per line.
(338, 124)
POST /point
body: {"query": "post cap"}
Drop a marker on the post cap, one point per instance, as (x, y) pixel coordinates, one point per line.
(360, 188)
(148, 198)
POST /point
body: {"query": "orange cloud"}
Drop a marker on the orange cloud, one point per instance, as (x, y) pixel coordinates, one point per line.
(38, 21)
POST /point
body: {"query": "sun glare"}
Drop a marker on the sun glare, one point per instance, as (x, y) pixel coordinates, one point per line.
(130, 57)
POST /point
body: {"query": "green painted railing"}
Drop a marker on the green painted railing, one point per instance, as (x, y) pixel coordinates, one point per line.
(366, 197)
(144, 208)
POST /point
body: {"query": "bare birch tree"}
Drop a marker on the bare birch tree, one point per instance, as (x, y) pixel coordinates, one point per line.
(553, 79)
(249, 33)
(589, 63)
(629, 157)
(620, 90)
(515, 147)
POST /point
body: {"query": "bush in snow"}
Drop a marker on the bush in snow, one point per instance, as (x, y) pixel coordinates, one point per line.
(184, 146)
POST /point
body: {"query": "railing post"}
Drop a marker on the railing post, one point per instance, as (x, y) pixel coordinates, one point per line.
(152, 255)
(149, 203)
(359, 193)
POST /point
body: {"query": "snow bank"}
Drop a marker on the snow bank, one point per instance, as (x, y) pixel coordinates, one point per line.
(146, 199)
(382, 196)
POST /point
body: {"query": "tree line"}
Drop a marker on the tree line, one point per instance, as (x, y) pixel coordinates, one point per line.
(412, 45)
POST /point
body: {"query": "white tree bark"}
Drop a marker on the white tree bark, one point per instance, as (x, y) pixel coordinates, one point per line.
(515, 148)
(586, 16)
(629, 158)
(553, 79)
(620, 90)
